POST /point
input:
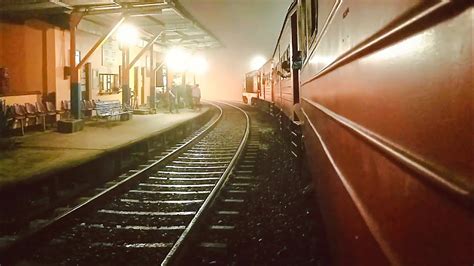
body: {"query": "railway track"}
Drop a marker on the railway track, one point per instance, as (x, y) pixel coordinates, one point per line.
(152, 214)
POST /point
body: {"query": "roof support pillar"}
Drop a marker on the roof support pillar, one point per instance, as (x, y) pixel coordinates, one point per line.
(75, 96)
(158, 66)
(125, 76)
(148, 47)
(142, 51)
(152, 80)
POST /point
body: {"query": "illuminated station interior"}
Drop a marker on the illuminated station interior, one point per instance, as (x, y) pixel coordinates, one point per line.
(236, 132)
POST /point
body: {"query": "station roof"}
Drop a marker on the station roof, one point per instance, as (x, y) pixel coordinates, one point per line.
(151, 17)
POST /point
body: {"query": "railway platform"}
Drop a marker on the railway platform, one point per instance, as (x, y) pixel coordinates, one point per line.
(39, 154)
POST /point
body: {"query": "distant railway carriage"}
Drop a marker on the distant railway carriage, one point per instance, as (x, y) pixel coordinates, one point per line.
(266, 81)
(384, 91)
(252, 87)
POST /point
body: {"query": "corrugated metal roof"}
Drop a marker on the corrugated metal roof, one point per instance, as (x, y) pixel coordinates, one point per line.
(151, 17)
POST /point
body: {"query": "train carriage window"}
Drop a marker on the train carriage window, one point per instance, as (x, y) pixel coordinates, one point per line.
(314, 17)
(285, 68)
(302, 29)
(311, 18)
(307, 25)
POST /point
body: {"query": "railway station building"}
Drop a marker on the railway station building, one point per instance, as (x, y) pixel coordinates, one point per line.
(38, 41)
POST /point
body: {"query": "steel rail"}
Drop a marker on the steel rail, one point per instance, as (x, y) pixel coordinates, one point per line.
(38, 233)
(180, 244)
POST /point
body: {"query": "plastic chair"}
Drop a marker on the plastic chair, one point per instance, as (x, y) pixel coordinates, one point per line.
(19, 115)
(33, 113)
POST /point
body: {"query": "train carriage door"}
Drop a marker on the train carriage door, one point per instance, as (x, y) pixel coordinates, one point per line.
(294, 52)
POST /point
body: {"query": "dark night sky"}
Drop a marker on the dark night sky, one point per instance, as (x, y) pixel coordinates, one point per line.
(246, 28)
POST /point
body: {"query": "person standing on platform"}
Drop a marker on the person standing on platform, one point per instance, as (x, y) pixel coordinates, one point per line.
(189, 96)
(172, 99)
(197, 97)
(176, 93)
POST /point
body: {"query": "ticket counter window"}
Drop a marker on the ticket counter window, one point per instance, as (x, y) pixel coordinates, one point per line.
(108, 83)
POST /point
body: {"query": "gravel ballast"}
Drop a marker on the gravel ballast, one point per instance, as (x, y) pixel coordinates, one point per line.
(282, 224)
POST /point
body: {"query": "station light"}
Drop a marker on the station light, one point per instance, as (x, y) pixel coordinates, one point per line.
(177, 59)
(257, 62)
(127, 35)
(198, 64)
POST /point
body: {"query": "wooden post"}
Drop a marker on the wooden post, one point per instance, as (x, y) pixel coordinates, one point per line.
(183, 85)
(88, 71)
(75, 97)
(144, 49)
(125, 76)
(100, 42)
(152, 81)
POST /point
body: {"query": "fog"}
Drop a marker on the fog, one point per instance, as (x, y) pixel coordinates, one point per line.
(246, 28)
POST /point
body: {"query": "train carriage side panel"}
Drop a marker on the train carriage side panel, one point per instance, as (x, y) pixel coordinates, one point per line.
(276, 78)
(283, 84)
(251, 87)
(386, 93)
(267, 81)
(293, 57)
(286, 84)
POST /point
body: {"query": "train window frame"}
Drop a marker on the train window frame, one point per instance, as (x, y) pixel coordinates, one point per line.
(311, 12)
(314, 17)
(285, 56)
(302, 30)
(267, 78)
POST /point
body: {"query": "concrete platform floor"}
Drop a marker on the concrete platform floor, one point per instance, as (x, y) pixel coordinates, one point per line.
(42, 152)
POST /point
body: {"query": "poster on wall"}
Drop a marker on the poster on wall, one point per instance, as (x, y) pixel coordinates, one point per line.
(77, 57)
(82, 81)
(110, 53)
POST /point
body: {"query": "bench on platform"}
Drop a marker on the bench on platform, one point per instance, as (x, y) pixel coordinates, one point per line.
(47, 114)
(36, 117)
(87, 107)
(111, 109)
(65, 109)
(18, 114)
(31, 115)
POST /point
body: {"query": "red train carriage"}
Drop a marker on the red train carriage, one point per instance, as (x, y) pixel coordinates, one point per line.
(386, 102)
(286, 79)
(266, 99)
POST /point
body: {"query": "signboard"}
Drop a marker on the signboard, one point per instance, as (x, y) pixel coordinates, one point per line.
(110, 53)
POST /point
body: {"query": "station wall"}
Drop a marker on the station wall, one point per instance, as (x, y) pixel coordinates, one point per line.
(36, 54)
(61, 53)
(21, 53)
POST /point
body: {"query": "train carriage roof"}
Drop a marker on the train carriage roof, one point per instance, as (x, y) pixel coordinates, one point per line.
(291, 9)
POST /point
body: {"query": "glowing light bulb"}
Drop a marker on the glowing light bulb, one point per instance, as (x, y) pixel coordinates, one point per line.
(198, 64)
(127, 34)
(257, 62)
(177, 59)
